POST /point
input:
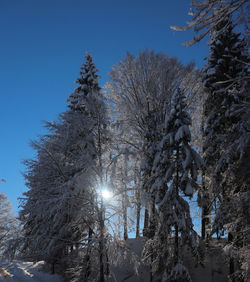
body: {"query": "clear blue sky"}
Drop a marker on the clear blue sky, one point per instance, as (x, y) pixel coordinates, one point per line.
(42, 44)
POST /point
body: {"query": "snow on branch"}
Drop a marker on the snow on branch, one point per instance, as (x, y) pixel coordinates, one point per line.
(208, 14)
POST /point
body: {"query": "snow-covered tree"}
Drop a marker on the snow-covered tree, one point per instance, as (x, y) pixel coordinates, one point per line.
(61, 210)
(226, 68)
(121, 183)
(141, 89)
(5, 219)
(173, 176)
(143, 84)
(226, 137)
(7, 223)
(88, 100)
(152, 137)
(8, 227)
(56, 211)
(125, 181)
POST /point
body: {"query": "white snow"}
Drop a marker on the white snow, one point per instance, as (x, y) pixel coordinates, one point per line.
(215, 268)
(25, 271)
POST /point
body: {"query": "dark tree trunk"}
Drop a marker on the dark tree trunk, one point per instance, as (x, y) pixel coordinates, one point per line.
(53, 268)
(151, 273)
(125, 200)
(138, 213)
(205, 217)
(88, 255)
(151, 232)
(176, 244)
(125, 220)
(101, 268)
(107, 272)
(102, 211)
(231, 260)
(203, 224)
(205, 221)
(152, 219)
(146, 221)
(102, 279)
(138, 207)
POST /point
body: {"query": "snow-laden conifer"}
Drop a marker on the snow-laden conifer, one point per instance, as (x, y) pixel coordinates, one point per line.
(226, 131)
(82, 97)
(174, 176)
(60, 211)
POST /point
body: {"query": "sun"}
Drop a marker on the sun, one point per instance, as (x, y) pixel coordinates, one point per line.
(106, 194)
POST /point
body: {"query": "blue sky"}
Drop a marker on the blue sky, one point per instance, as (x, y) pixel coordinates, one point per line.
(41, 50)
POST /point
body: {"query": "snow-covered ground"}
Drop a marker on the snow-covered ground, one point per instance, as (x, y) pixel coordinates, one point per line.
(129, 269)
(215, 267)
(25, 271)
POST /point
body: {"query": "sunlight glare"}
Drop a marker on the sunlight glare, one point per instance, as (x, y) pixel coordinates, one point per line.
(106, 194)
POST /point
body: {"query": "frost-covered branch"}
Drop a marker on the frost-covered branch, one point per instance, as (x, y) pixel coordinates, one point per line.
(209, 14)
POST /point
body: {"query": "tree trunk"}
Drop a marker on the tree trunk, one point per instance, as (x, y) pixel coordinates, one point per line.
(125, 217)
(53, 268)
(138, 212)
(231, 260)
(125, 199)
(107, 272)
(102, 279)
(176, 244)
(146, 221)
(151, 273)
(205, 217)
(102, 212)
(88, 255)
(151, 232)
(152, 219)
(204, 222)
(137, 179)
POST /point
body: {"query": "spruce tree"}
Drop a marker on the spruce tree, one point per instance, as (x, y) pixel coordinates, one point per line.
(224, 72)
(60, 206)
(174, 175)
(87, 100)
(226, 136)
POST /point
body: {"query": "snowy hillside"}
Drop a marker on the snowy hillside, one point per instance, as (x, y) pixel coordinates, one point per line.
(25, 271)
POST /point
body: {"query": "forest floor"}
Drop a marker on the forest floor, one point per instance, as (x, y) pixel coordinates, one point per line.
(130, 269)
(214, 268)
